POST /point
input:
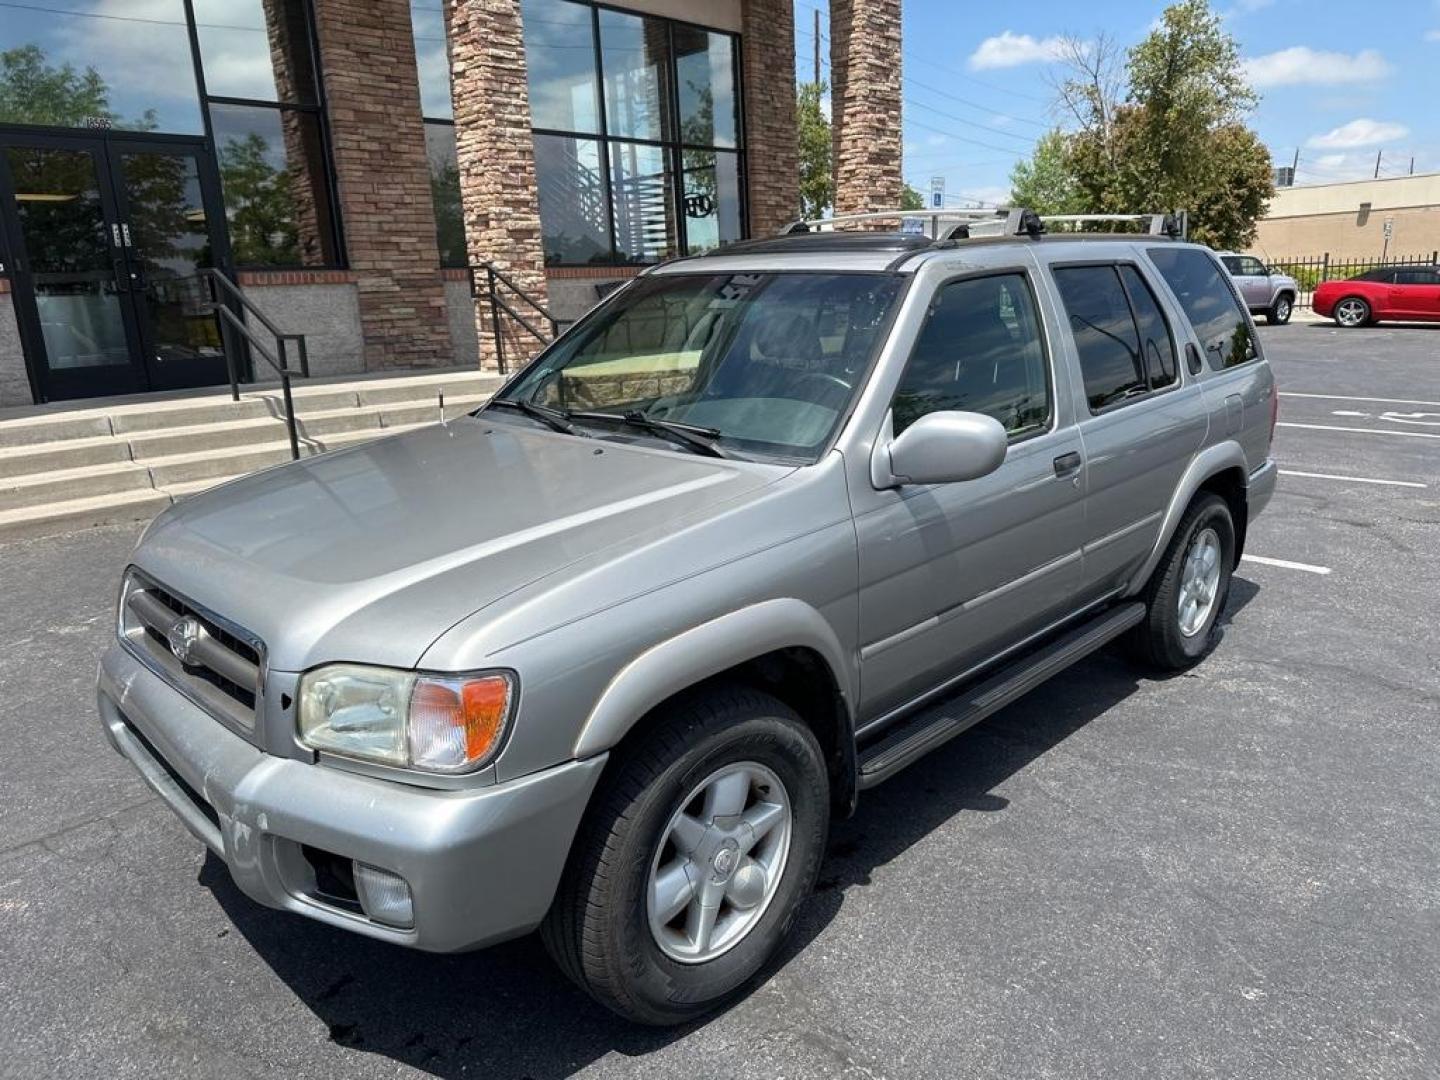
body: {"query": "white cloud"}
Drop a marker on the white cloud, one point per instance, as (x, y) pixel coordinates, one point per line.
(1362, 132)
(1011, 50)
(1301, 65)
(1432, 35)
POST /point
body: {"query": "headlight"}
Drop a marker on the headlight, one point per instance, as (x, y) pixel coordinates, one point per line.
(439, 723)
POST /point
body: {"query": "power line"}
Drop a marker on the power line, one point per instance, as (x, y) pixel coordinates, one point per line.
(969, 123)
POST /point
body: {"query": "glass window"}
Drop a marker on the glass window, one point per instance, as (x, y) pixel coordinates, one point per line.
(83, 63)
(1209, 303)
(979, 351)
(769, 361)
(1104, 332)
(256, 49)
(640, 191)
(1156, 343)
(273, 179)
(574, 221)
(635, 57)
(1417, 277)
(711, 199)
(705, 79)
(560, 58)
(445, 193)
(432, 59)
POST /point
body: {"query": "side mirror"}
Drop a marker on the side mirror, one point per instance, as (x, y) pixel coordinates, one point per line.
(942, 448)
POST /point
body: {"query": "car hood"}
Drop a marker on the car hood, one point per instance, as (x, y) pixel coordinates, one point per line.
(372, 553)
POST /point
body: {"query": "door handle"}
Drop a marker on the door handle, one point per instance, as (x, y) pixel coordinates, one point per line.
(1068, 464)
(122, 276)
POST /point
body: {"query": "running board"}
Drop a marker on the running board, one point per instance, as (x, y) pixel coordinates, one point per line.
(939, 723)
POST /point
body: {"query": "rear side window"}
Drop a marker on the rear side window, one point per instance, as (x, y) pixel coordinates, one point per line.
(1417, 277)
(1209, 303)
(1120, 333)
(979, 351)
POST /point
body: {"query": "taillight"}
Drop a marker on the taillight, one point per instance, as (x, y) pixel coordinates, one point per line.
(1274, 410)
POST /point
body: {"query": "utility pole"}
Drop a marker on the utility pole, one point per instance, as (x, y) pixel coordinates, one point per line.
(817, 46)
(1412, 164)
(1378, 155)
(1296, 163)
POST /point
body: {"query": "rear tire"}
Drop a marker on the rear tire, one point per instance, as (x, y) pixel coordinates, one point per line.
(1186, 594)
(603, 928)
(1280, 311)
(1352, 312)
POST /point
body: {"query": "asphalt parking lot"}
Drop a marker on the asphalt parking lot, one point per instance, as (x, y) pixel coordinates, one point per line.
(1232, 873)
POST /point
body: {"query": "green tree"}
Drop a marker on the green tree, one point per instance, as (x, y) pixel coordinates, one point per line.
(817, 181)
(1177, 138)
(1044, 182)
(257, 198)
(910, 199)
(34, 92)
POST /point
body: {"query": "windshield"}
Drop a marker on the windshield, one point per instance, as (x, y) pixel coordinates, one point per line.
(768, 363)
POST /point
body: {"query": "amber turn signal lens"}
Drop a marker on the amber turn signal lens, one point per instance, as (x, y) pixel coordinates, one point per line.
(456, 723)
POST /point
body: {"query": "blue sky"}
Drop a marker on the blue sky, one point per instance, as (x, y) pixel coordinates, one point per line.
(1339, 81)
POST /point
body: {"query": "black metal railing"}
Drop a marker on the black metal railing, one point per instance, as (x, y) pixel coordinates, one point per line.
(490, 284)
(1310, 270)
(225, 298)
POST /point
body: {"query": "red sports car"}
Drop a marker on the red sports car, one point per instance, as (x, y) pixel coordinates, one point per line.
(1404, 293)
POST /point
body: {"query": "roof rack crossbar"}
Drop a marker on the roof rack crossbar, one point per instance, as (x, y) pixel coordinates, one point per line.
(1002, 221)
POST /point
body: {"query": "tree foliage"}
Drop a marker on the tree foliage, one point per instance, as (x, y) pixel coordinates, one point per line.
(34, 92)
(1170, 134)
(1045, 183)
(910, 199)
(817, 180)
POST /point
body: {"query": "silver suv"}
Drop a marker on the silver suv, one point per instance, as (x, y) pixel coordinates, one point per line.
(768, 525)
(1264, 290)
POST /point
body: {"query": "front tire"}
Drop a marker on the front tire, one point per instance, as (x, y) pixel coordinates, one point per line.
(1189, 588)
(1352, 312)
(1280, 311)
(704, 838)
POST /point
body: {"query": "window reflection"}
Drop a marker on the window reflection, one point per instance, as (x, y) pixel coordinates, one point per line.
(256, 50)
(641, 193)
(711, 199)
(705, 79)
(272, 173)
(635, 57)
(432, 59)
(560, 57)
(574, 222)
(82, 63)
(445, 192)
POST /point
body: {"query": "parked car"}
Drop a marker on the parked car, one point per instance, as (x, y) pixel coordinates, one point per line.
(606, 656)
(1265, 290)
(1404, 293)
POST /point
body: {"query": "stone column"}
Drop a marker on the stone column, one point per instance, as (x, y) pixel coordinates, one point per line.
(865, 105)
(367, 58)
(498, 189)
(771, 139)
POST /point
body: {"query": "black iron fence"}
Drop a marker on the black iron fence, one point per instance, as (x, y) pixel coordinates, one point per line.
(1310, 270)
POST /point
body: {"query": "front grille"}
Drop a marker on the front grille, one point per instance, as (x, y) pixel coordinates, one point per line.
(212, 661)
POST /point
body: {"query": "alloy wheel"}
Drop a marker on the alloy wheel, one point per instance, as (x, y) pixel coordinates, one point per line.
(1350, 312)
(1199, 582)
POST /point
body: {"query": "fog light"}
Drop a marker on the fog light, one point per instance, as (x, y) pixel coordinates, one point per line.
(384, 896)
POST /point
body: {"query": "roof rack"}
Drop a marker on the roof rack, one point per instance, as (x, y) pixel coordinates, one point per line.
(1001, 221)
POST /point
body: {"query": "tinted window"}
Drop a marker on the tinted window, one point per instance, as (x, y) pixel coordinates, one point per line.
(445, 192)
(1382, 275)
(560, 64)
(1105, 333)
(257, 50)
(705, 73)
(1232, 263)
(979, 351)
(1209, 303)
(574, 221)
(1251, 267)
(1156, 343)
(1417, 277)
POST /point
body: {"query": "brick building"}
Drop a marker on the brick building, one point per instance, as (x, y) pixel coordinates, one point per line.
(350, 163)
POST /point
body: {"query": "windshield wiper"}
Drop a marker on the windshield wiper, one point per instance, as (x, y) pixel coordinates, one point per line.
(699, 439)
(551, 418)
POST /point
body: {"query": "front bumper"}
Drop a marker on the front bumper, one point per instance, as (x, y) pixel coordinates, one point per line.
(482, 864)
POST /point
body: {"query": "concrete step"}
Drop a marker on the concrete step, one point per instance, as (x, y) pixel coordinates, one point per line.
(72, 454)
(182, 468)
(73, 514)
(64, 485)
(32, 430)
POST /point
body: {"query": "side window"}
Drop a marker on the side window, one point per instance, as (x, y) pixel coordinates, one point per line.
(1209, 303)
(1417, 277)
(1252, 267)
(1104, 332)
(979, 351)
(1156, 342)
(1232, 263)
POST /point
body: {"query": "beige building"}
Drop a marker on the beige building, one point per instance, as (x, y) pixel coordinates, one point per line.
(1349, 220)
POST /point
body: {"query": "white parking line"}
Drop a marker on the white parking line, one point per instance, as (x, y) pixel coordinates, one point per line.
(1361, 430)
(1353, 479)
(1346, 397)
(1285, 564)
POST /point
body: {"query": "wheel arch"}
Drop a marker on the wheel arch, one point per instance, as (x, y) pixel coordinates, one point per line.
(1220, 469)
(784, 647)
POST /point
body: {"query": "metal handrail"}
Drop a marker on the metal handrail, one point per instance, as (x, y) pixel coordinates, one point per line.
(494, 278)
(279, 359)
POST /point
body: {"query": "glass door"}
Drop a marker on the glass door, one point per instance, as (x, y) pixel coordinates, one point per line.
(67, 269)
(108, 237)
